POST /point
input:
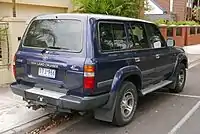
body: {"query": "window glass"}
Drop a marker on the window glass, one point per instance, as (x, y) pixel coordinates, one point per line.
(65, 34)
(137, 36)
(0, 52)
(170, 32)
(106, 37)
(198, 30)
(178, 31)
(112, 37)
(155, 37)
(192, 30)
(119, 36)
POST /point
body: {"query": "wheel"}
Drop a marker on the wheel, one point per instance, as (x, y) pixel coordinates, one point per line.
(126, 104)
(180, 79)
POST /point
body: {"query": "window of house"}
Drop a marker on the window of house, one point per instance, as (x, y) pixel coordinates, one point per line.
(137, 36)
(112, 37)
(178, 31)
(198, 30)
(192, 30)
(155, 37)
(0, 52)
(170, 32)
(1, 46)
(4, 59)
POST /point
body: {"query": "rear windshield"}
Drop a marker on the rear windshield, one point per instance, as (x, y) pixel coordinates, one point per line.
(58, 34)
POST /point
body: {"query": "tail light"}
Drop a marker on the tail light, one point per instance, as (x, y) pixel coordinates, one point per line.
(14, 67)
(89, 78)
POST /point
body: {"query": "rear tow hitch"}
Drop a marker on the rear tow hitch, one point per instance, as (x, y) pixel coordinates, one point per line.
(34, 106)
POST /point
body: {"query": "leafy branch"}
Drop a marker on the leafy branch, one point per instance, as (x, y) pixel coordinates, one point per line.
(127, 8)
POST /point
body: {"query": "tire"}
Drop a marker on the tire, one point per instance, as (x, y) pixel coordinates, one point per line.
(124, 114)
(180, 79)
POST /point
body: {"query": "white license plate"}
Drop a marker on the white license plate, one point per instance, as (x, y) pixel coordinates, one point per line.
(50, 73)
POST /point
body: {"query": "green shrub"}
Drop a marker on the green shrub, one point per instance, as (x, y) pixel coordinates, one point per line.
(127, 8)
(177, 23)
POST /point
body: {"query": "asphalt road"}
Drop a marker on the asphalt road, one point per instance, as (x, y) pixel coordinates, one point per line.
(157, 113)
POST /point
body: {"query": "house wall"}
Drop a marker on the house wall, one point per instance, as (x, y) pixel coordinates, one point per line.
(52, 3)
(6, 9)
(180, 9)
(29, 11)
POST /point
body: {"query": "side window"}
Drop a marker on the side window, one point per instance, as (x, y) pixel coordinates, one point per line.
(112, 37)
(137, 36)
(155, 37)
(119, 37)
(106, 38)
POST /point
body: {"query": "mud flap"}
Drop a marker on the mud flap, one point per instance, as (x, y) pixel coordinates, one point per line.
(106, 113)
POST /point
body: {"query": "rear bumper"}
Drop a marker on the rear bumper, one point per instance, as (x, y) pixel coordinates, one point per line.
(59, 100)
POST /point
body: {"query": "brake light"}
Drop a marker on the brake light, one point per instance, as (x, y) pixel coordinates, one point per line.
(14, 67)
(89, 78)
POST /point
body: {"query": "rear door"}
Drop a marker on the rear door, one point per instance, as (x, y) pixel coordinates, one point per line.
(111, 53)
(52, 55)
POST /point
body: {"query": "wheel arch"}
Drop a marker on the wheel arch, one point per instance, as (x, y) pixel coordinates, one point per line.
(182, 58)
(129, 73)
(185, 62)
(135, 79)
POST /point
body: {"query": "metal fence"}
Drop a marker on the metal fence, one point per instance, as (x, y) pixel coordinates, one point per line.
(4, 45)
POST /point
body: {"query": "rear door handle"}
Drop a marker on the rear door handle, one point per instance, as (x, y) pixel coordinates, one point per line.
(137, 59)
(157, 56)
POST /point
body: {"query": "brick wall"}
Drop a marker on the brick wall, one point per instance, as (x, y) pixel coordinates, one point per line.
(180, 9)
(183, 35)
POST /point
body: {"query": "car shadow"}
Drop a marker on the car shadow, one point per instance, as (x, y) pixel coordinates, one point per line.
(91, 126)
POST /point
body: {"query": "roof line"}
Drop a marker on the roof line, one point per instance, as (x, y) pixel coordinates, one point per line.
(161, 8)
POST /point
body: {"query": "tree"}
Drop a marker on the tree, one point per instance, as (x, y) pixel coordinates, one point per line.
(127, 8)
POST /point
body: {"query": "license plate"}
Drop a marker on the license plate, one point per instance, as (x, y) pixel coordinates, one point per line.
(45, 72)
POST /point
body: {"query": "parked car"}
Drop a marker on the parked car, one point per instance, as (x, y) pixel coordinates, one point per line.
(99, 63)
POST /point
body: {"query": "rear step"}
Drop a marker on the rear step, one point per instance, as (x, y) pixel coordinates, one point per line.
(152, 88)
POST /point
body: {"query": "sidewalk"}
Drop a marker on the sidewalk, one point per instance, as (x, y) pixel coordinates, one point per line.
(193, 49)
(13, 111)
(193, 52)
(193, 57)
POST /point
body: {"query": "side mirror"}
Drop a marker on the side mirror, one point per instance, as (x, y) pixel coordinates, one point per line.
(19, 38)
(170, 42)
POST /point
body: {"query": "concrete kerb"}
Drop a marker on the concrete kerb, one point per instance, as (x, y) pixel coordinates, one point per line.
(28, 126)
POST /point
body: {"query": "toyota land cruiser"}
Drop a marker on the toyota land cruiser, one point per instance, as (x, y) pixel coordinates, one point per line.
(99, 63)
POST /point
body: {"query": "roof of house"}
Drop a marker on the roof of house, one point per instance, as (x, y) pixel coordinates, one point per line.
(162, 4)
(158, 5)
(153, 17)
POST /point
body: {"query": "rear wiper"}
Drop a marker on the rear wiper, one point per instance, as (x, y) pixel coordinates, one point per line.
(51, 47)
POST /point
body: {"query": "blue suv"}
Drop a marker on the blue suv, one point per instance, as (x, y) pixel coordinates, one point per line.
(99, 63)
